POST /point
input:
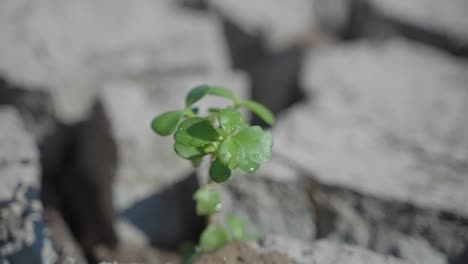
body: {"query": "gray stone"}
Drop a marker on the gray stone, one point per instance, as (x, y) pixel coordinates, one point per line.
(34, 107)
(67, 247)
(385, 139)
(391, 228)
(397, 108)
(282, 24)
(23, 235)
(323, 252)
(70, 48)
(333, 16)
(447, 18)
(419, 251)
(18, 154)
(280, 206)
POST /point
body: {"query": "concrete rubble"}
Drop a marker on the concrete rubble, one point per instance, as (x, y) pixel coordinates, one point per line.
(399, 142)
(371, 145)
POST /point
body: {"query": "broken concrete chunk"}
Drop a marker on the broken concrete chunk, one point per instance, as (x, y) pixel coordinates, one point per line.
(18, 154)
(385, 139)
(446, 18)
(23, 235)
(323, 252)
(351, 153)
(70, 48)
(282, 24)
(416, 95)
(270, 206)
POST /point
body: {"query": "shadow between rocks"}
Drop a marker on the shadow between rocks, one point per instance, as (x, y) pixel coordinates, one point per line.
(168, 218)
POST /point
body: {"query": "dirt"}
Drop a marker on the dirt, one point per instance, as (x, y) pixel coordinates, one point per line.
(240, 253)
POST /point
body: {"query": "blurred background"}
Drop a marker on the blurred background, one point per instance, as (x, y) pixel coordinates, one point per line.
(370, 159)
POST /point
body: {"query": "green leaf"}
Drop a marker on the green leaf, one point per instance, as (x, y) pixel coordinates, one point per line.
(230, 153)
(208, 200)
(196, 94)
(195, 131)
(199, 92)
(189, 152)
(166, 123)
(231, 120)
(260, 110)
(257, 144)
(213, 237)
(248, 165)
(219, 172)
(237, 228)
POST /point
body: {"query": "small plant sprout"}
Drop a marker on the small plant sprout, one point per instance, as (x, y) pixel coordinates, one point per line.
(229, 141)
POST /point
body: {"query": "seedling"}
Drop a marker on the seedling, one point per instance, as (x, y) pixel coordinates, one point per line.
(229, 141)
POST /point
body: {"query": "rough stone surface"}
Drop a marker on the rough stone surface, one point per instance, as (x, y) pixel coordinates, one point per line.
(33, 105)
(270, 205)
(385, 139)
(238, 253)
(323, 252)
(68, 250)
(282, 24)
(388, 227)
(23, 235)
(18, 154)
(399, 108)
(69, 48)
(446, 18)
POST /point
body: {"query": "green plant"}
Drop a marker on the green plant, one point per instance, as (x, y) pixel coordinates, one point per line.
(231, 143)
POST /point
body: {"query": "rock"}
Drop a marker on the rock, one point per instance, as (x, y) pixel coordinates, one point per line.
(414, 119)
(385, 139)
(443, 18)
(237, 253)
(19, 156)
(390, 228)
(68, 49)
(33, 105)
(68, 249)
(281, 24)
(334, 16)
(416, 250)
(322, 252)
(280, 206)
(23, 235)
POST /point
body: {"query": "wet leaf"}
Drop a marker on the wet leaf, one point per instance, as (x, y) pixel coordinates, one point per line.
(248, 165)
(219, 172)
(213, 237)
(237, 228)
(189, 152)
(257, 145)
(201, 91)
(208, 200)
(195, 131)
(230, 153)
(230, 120)
(166, 123)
